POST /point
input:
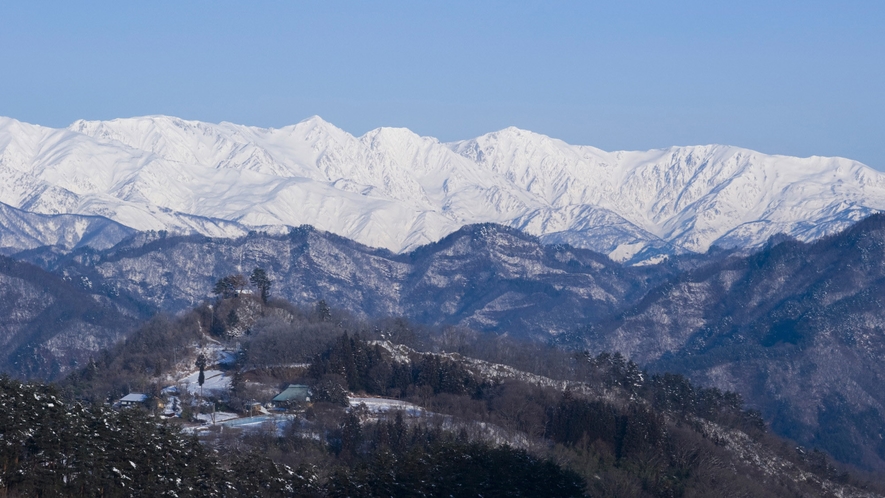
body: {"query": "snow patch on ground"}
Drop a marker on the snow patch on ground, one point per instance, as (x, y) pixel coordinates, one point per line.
(385, 405)
(214, 418)
(216, 382)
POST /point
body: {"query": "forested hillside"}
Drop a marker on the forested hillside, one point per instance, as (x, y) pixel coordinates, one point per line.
(51, 324)
(798, 329)
(486, 277)
(391, 400)
(56, 448)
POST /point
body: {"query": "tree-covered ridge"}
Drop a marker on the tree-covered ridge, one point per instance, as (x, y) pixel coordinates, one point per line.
(400, 461)
(373, 367)
(625, 432)
(647, 436)
(49, 324)
(797, 328)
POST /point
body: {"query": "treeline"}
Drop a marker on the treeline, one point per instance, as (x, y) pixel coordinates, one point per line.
(361, 366)
(391, 459)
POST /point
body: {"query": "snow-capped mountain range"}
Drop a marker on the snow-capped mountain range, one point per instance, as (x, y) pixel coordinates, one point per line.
(394, 189)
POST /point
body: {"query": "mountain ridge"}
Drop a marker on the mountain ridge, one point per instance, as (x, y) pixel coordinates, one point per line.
(797, 328)
(476, 274)
(24, 230)
(394, 189)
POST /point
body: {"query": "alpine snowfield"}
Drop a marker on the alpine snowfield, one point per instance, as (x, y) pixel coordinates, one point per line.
(394, 189)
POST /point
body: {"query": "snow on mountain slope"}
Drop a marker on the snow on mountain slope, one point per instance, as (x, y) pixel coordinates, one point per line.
(24, 230)
(692, 197)
(394, 189)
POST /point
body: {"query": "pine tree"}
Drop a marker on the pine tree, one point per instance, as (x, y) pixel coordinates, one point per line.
(351, 435)
(229, 286)
(323, 311)
(201, 364)
(201, 379)
(262, 282)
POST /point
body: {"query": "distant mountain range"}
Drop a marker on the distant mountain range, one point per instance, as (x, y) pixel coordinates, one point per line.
(796, 327)
(22, 230)
(393, 189)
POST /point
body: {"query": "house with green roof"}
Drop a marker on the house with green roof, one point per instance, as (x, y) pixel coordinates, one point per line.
(293, 395)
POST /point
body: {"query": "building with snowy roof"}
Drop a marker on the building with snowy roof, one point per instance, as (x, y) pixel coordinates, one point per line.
(132, 399)
(294, 394)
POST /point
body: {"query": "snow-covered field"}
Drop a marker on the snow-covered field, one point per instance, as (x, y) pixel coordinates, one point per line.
(216, 382)
(385, 405)
(216, 417)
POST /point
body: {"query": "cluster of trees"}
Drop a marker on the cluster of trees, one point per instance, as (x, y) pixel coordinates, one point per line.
(283, 334)
(643, 439)
(392, 459)
(233, 285)
(135, 363)
(369, 368)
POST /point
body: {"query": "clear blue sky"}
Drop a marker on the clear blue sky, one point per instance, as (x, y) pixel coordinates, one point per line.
(800, 77)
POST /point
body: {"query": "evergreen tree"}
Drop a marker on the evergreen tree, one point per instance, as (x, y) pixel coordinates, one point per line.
(324, 313)
(351, 435)
(262, 282)
(201, 364)
(229, 286)
(201, 379)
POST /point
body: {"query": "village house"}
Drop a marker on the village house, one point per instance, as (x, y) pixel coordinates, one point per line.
(133, 399)
(292, 396)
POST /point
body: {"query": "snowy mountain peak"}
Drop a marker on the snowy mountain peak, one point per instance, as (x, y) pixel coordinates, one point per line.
(395, 135)
(395, 189)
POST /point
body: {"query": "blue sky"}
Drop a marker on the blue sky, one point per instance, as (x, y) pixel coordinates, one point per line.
(799, 78)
